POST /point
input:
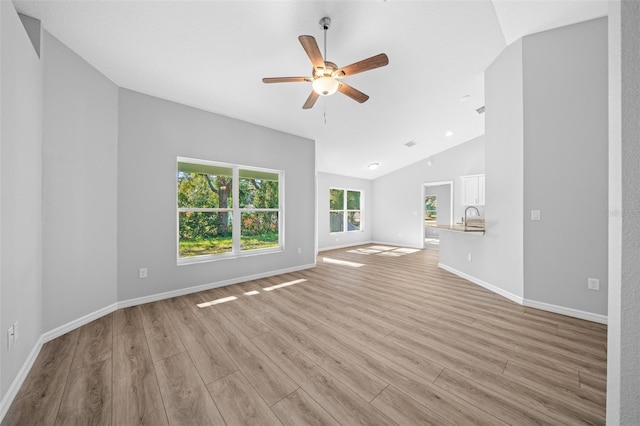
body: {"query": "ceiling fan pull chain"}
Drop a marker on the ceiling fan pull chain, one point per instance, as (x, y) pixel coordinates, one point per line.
(324, 104)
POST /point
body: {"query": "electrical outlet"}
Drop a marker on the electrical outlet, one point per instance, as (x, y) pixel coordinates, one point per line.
(593, 284)
(142, 273)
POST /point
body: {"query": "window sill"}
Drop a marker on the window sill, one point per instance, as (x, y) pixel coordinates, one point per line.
(183, 261)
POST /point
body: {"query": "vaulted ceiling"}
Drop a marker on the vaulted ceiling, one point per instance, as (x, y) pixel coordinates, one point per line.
(213, 54)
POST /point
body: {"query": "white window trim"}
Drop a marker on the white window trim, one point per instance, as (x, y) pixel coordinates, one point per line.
(346, 211)
(236, 214)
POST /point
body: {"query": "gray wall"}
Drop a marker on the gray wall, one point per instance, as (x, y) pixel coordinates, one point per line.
(623, 373)
(565, 165)
(397, 197)
(327, 240)
(80, 174)
(546, 138)
(496, 257)
(152, 134)
(20, 194)
(630, 288)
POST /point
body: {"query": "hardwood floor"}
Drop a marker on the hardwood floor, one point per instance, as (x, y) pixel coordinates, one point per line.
(369, 337)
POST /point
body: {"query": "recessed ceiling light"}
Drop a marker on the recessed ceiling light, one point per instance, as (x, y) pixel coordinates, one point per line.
(449, 133)
(410, 144)
(373, 166)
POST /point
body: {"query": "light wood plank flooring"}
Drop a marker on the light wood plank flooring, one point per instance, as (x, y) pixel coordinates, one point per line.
(373, 335)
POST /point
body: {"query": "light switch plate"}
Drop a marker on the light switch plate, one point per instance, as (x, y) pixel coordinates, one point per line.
(535, 214)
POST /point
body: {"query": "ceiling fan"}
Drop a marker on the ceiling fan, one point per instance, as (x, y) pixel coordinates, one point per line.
(326, 77)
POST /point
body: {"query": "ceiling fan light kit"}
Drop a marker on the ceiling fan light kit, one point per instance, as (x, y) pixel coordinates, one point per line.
(325, 85)
(326, 77)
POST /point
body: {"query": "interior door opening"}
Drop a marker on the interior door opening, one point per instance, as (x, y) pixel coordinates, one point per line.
(437, 202)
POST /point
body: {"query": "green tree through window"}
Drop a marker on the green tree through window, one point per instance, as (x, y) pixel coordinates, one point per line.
(226, 209)
(430, 209)
(345, 213)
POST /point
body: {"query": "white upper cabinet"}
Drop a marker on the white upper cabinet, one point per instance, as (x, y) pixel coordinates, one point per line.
(473, 190)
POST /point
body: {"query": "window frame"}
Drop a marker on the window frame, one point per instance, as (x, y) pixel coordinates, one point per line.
(345, 211)
(236, 213)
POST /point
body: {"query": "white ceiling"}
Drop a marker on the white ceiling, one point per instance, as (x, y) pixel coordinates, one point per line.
(213, 54)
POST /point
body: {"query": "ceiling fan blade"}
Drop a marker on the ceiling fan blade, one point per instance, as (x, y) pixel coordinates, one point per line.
(354, 94)
(286, 79)
(313, 51)
(373, 62)
(311, 100)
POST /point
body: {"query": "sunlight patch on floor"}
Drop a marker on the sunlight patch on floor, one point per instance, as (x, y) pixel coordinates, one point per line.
(384, 251)
(342, 262)
(217, 301)
(390, 254)
(382, 248)
(248, 293)
(405, 250)
(273, 287)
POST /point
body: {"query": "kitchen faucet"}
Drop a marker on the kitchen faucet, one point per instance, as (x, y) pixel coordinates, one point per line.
(467, 210)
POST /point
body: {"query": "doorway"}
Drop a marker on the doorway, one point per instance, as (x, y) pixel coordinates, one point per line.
(437, 202)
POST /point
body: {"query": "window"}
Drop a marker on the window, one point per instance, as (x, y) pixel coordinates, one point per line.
(345, 212)
(430, 210)
(226, 210)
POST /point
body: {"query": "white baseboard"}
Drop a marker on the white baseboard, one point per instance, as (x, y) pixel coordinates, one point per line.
(19, 379)
(76, 323)
(342, 246)
(570, 312)
(490, 287)
(209, 286)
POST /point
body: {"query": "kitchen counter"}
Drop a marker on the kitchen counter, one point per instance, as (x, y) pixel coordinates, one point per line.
(461, 228)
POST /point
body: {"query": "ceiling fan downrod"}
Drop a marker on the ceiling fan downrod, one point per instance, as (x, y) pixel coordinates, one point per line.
(325, 23)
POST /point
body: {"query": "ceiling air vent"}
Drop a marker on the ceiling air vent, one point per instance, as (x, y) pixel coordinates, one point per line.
(410, 144)
(480, 110)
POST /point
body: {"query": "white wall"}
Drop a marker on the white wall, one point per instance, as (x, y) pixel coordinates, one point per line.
(565, 165)
(397, 197)
(152, 134)
(623, 357)
(614, 343)
(20, 196)
(79, 186)
(327, 240)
